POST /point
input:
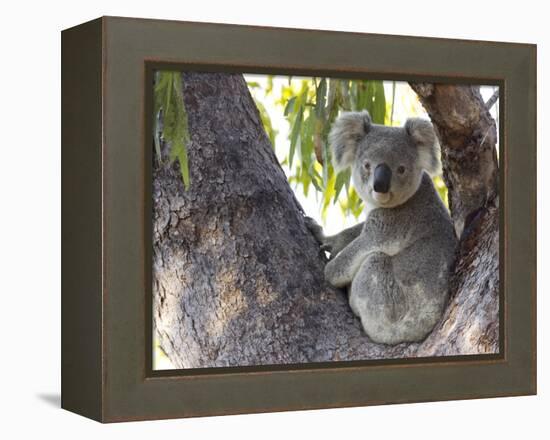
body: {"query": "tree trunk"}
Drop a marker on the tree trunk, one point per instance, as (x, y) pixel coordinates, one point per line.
(238, 278)
(468, 136)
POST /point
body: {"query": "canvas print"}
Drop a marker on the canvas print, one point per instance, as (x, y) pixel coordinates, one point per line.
(301, 219)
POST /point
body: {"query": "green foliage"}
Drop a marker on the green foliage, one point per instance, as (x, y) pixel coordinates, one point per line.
(310, 105)
(441, 189)
(170, 120)
(311, 109)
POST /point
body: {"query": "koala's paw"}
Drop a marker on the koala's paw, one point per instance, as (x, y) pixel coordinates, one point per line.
(325, 243)
(315, 228)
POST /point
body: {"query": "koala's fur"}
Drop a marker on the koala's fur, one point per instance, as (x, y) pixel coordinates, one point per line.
(396, 264)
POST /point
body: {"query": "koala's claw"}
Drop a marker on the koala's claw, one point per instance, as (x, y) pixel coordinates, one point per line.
(326, 247)
(326, 244)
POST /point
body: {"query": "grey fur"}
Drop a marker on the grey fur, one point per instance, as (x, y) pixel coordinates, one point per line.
(345, 135)
(396, 264)
(423, 134)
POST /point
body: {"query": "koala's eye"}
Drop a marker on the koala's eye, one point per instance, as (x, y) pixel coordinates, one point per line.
(367, 166)
(400, 169)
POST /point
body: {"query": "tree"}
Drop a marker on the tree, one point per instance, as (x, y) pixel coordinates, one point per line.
(238, 278)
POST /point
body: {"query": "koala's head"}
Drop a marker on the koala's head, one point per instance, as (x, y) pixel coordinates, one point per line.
(387, 162)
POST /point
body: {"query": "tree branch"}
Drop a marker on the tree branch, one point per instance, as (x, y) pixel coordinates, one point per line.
(468, 136)
(492, 100)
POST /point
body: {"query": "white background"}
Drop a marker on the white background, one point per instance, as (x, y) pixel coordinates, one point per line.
(30, 219)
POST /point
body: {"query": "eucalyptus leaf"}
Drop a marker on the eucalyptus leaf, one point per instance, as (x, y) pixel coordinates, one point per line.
(342, 179)
(170, 113)
(289, 108)
(294, 135)
(320, 98)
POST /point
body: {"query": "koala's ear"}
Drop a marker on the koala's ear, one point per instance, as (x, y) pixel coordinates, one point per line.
(346, 133)
(423, 136)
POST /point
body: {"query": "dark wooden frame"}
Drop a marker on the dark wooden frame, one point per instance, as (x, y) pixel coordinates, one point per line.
(106, 207)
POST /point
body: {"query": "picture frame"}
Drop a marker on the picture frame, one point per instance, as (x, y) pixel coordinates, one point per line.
(106, 220)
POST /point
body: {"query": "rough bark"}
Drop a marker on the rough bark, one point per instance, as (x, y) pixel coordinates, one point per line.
(238, 278)
(468, 136)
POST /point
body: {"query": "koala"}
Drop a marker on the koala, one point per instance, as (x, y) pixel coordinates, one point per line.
(396, 263)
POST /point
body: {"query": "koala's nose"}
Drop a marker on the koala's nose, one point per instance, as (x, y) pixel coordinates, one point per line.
(382, 178)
